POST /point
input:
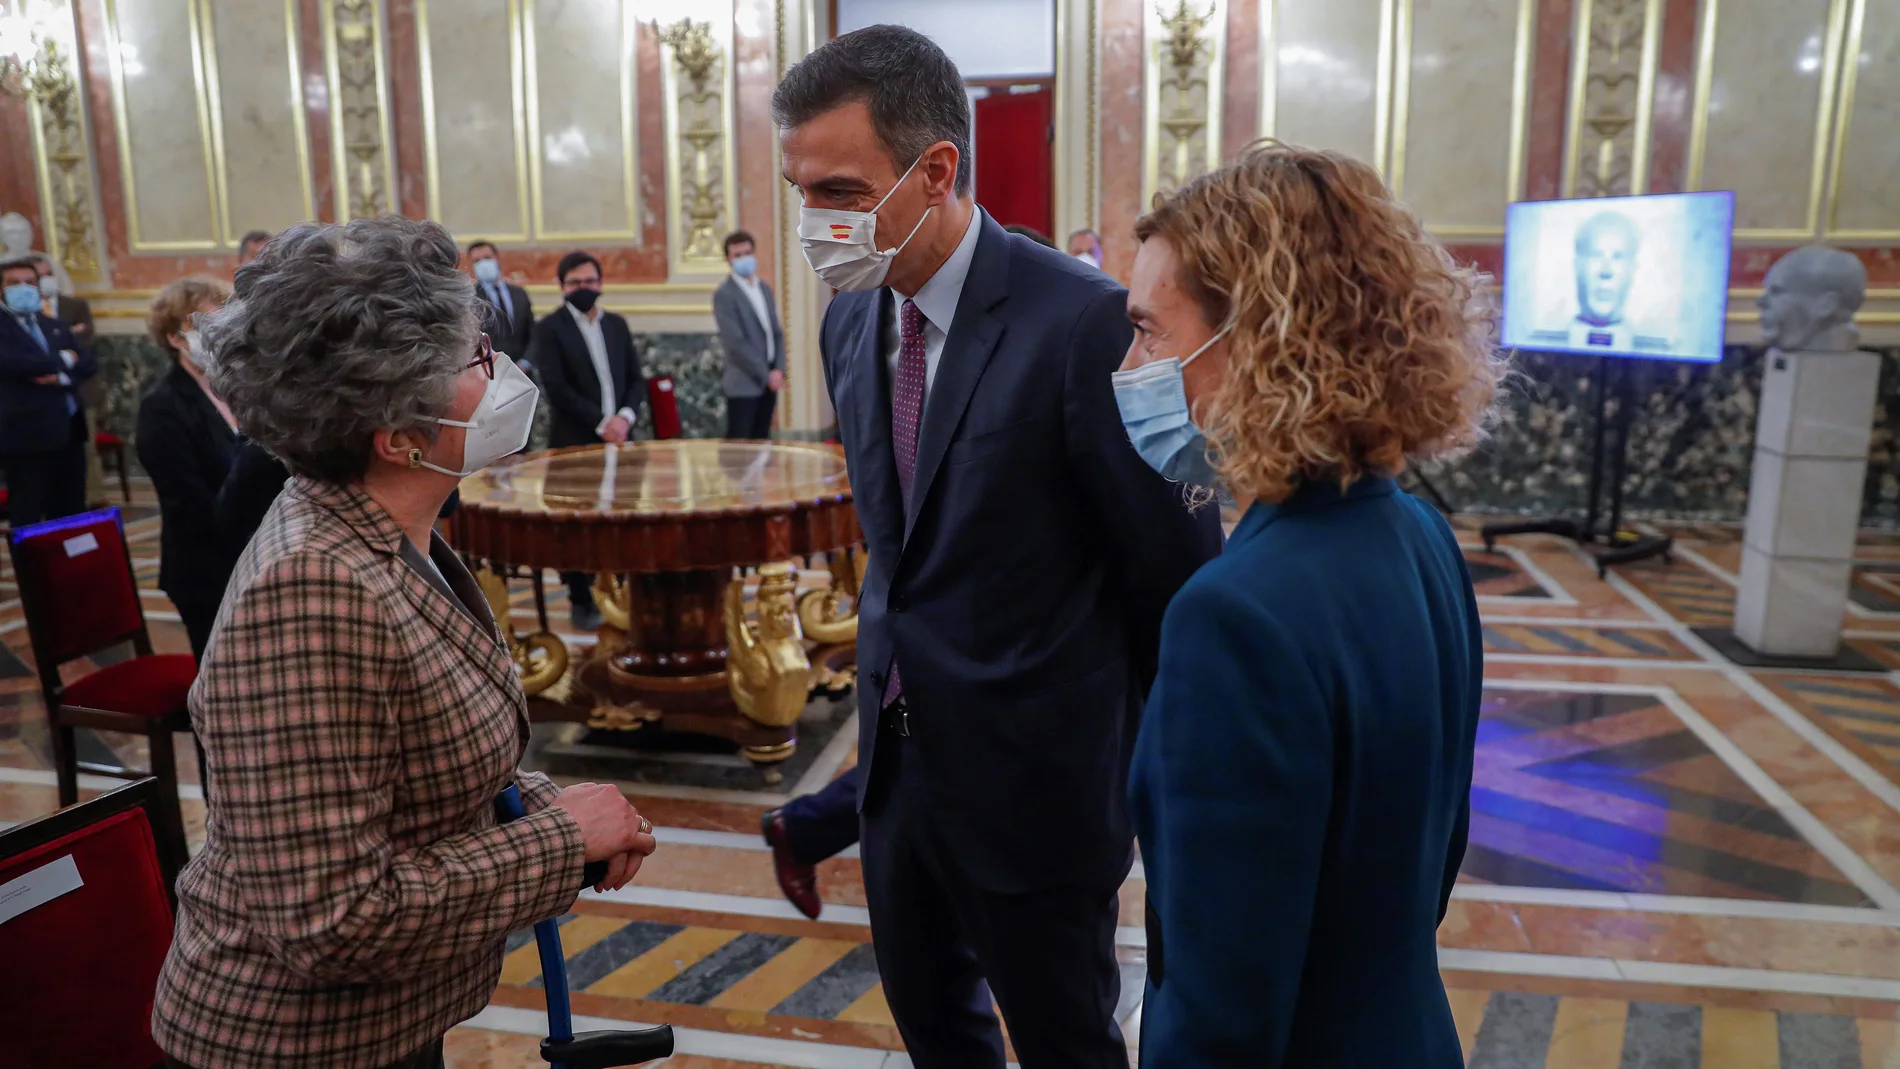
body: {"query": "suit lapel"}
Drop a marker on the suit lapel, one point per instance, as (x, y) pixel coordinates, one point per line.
(574, 347)
(966, 352)
(874, 484)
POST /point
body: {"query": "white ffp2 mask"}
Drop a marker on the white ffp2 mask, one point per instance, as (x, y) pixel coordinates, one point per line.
(842, 246)
(500, 424)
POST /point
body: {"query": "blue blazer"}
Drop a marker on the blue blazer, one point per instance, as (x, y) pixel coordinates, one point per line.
(33, 418)
(1301, 789)
(1022, 591)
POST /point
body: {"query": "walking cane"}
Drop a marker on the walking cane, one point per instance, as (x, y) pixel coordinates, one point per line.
(589, 1050)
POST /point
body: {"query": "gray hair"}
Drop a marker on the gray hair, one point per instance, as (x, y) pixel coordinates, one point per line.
(913, 90)
(336, 330)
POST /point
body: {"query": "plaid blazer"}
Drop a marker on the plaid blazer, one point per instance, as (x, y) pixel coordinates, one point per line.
(354, 892)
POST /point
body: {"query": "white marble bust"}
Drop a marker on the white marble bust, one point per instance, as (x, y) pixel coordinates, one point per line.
(16, 241)
(1809, 301)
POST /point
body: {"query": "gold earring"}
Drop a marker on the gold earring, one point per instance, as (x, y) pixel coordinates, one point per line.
(415, 458)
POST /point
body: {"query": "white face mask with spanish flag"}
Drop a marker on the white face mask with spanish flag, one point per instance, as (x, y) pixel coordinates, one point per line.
(842, 246)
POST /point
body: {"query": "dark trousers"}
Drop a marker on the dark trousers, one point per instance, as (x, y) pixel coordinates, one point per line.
(580, 589)
(750, 417)
(429, 1057)
(944, 945)
(46, 485)
(821, 825)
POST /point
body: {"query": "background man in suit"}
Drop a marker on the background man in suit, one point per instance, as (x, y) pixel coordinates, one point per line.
(42, 419)
(509, 317)
(1021, 556)
(755, 346)
(76, 313)
(590, 375)
(251, 244)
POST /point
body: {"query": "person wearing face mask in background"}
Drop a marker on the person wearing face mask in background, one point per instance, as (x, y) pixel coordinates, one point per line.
(1301, 781)
(755, 345)
(1021, 555)
(1086, 246)
(76, 313)
(357, 704)
(43, 426)
(590, 369)
(186, 441)
(509, 315)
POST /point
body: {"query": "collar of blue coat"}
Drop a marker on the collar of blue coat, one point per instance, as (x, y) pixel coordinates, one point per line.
(1311, 496)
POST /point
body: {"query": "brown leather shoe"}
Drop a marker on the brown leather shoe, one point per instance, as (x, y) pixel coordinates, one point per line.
(799, 882)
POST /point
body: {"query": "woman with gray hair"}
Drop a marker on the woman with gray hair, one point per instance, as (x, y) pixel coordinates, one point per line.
(357, 705)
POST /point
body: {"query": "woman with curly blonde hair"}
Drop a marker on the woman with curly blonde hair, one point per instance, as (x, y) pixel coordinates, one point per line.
(1301, 777)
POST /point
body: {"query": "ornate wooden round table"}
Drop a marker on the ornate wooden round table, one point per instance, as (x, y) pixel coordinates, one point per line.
(671, 528)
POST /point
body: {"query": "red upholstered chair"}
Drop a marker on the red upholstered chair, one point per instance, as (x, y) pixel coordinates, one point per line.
(665, 405)
(87, 959)
(111, 445)
(80, 597)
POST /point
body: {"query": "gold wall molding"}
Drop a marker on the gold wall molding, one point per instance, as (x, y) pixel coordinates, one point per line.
(62, 153)
(1523, 46)
(360, 139)
(1824, 118)
(1612, 97)
(1077, 127)
(200, 56)
(1384, 82)
(1183, 66)
(517, 68)
(634, 233)
(701, 191)
(1843, 127)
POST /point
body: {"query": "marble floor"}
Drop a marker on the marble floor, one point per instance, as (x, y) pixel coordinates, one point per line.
(1675, 863)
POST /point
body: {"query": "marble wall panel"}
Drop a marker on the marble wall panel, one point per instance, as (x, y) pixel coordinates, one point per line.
(1326, 64)
(1762, 130)
(474, 130)
(581, 117)
(1464, 85)
(1868, 167)
(264, 155)
(164, 129)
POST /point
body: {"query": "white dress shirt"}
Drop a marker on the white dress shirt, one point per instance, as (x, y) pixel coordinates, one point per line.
(756, 294)
(937, 300)
(597, 352)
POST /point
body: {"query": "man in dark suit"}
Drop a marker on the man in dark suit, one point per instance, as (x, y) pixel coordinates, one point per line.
(755, 345)
(76, 313)
(1021, 554)
(508, 315)
(590, 376)
(42, 419)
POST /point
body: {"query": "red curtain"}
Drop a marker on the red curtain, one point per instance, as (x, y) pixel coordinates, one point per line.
(1013, 157)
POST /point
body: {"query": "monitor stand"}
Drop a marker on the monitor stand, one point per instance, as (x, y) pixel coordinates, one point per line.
(1609, 544)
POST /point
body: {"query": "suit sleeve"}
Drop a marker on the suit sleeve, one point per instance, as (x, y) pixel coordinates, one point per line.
(635, 395)
(82, 320)
(165, 451)
(1236, 755)
(1145, 517)
(305, 751)
(779, 362)
(739, 355)
(537, 790)
(569, 405)
(27, 361)
(248, 491)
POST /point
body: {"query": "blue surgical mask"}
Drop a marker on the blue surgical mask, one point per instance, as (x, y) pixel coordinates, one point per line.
(488, 270)
(23, 298)
(1154, 407)
(745, 266)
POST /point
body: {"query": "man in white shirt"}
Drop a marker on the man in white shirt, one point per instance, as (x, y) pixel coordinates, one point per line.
(591, 380)
(753, 342)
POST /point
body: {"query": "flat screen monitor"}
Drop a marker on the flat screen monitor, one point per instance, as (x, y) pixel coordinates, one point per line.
(1619, 276)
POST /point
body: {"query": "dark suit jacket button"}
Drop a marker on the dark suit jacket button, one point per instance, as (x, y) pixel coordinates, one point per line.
(898, 603)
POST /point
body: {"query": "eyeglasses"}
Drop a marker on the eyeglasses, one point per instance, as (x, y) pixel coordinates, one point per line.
(484, 356)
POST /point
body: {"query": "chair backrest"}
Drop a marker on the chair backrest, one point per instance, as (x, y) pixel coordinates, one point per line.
(665, 405)
(94, 931)
(77, 587)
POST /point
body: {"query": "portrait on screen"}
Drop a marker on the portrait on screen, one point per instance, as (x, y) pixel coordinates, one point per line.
(1619, 276)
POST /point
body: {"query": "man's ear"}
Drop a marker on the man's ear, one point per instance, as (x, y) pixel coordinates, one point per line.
(939, 165)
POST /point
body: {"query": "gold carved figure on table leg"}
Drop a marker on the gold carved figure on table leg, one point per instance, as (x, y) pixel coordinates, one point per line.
(766, 665)
(540, 658)
(826, 619)
(611, 597)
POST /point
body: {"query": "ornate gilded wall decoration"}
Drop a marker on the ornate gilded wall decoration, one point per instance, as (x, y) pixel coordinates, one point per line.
(358, 107)
(1184, 64)
(48, 85)
(1613, 78)
(697, 78)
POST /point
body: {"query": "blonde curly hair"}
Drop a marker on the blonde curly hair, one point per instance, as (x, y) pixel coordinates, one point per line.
(174, 306)
(1355, 341)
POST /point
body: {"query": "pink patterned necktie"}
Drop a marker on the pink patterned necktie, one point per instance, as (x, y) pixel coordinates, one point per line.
(907, 414)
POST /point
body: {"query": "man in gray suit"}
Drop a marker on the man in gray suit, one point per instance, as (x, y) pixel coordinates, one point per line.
(755, 346)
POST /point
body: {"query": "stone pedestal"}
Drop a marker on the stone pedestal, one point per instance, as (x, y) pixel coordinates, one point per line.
(1804, 500)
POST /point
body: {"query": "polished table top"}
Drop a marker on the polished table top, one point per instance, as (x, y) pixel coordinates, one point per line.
(656, 479)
